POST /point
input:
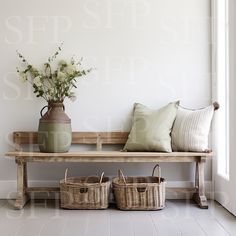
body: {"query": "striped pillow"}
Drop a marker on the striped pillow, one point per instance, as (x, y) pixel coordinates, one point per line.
(191, 129)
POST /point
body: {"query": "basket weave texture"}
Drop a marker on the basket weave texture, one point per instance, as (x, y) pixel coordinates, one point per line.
(84, 192)
(139, 193)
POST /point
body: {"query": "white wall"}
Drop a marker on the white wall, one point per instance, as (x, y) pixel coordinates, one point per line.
(148, 51)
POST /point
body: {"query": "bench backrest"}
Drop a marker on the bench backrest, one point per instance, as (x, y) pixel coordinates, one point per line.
(97, 138)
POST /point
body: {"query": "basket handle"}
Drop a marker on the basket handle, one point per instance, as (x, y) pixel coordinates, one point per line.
(121, 175)
(159, 172)
(101, 178)
(142, 189)
(66, 174)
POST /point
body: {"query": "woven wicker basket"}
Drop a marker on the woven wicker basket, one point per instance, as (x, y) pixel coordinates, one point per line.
(84, 192)
(139, 193)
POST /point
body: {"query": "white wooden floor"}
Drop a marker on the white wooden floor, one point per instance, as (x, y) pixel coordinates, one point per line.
(178, 218)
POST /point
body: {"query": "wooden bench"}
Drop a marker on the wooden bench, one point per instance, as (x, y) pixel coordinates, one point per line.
(98, 139)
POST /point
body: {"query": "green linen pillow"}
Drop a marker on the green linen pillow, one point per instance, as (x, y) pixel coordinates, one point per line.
(151, 128)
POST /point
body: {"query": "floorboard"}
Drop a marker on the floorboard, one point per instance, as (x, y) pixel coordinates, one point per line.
(179, 218)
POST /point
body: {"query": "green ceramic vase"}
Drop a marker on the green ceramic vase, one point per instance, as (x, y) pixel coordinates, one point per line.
(54, 131)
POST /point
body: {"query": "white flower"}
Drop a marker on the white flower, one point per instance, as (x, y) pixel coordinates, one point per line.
(23, 76)
(61, 76)
(51, 92)
(37, 81)
(70, 68)
(62, 63)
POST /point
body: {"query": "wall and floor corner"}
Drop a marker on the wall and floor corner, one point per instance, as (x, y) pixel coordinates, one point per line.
(147, 51)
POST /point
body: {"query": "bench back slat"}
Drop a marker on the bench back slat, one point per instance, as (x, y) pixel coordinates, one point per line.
(20, 138)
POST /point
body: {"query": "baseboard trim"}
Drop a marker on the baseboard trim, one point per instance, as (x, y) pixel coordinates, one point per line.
(8, 188)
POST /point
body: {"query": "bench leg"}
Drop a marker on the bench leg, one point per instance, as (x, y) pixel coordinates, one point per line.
(199, 197)
(22, 196)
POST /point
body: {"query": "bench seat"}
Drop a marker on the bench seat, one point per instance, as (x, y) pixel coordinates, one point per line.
(108, 156)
